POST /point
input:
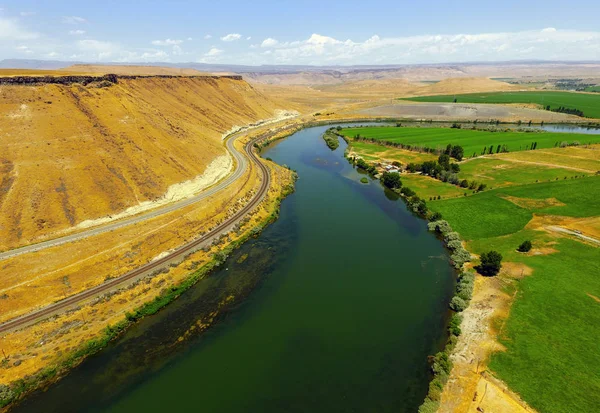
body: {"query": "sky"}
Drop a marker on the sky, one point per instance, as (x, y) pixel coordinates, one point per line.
(305, 32)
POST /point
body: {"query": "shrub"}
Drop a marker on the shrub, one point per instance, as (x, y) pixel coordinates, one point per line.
(525, 246)
(491, 262)
(435, 216)
(454, 325)
(458, 304)
(391, 180)
(407, 192)
(440, 226)
(451, 236)
(454, 244)
(464, 291)
(6, 394)
(459, 257)
(364, 180)
(429, 406)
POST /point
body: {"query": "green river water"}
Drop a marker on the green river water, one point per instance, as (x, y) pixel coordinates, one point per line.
(337, 306)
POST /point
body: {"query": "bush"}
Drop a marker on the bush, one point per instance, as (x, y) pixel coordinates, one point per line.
(6, 394)
(454, 325)
(458, 304)
(464, 291)
(436, 216)
(491, 262)
(429, 406)
(451, 236)
(454, 244)
(440, 226)
(407, 192)
(459, 257)
(525, 246)
(391, 180)
(364, 180)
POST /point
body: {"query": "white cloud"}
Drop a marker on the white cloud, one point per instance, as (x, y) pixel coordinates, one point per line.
(12, 30)
(100, 49)
(189, 39)
(76, 32)
(213, 52)
(27, 13)
(231, 37)
(548, 44)
(269, 42)
(249, 38)
(208, 36)
(73, 20)
(166, 42)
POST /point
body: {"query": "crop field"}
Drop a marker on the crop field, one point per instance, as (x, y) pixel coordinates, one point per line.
(588, 103)
(593, 89)
(371, 151)
(580, 159)
(427, 187)
(472, 141)
(507, 210)
(498, 172)
(550, 336)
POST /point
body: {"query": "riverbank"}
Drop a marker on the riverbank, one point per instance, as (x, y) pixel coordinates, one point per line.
(39, 355)
(499, 328)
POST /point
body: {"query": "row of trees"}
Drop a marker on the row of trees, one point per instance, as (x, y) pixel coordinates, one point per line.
(570, 111)
(445, 171)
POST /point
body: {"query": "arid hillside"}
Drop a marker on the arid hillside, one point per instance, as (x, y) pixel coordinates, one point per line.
(71, 153)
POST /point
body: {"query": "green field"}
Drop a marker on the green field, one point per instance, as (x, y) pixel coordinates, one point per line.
(551, 336)
(497, 172)
(593, 89)
(472, 141)
(589, 104)
(371, 151)
(488, 214)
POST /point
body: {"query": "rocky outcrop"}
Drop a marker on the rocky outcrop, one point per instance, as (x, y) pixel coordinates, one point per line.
(84, 80)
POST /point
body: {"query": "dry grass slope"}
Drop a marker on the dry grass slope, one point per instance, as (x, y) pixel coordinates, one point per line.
(72, 153)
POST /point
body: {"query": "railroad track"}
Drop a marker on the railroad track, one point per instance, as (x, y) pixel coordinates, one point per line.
(177, 254)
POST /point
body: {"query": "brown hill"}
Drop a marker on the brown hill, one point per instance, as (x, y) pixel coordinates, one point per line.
(74, 153)
(465, 85)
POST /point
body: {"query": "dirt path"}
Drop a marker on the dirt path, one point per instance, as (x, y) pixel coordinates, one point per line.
(550, 165)
(574, 233)
(471, 388)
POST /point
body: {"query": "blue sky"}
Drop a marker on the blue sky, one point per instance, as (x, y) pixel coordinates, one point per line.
(300, 32)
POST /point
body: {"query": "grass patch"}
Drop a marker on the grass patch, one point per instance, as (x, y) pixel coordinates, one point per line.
(589, 104)
(372, 151)
(498, 173)
(489, 214)
(427, 187)
(472, 141)
(551, 336)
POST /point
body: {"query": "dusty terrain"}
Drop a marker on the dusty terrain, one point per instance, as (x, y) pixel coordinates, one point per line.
(73, 153)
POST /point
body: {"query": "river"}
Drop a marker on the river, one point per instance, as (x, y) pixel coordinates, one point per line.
(335, 307)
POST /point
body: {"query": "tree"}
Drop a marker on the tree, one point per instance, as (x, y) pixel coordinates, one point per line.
(457, 152)
(525, 246)
(391, 180)
(444, 161)
(491, 262)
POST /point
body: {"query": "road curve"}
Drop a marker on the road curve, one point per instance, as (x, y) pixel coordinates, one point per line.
(241, 164)
(177, 254)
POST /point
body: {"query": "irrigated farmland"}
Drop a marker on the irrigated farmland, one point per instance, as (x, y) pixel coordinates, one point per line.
(472, 141)
(589, 104)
